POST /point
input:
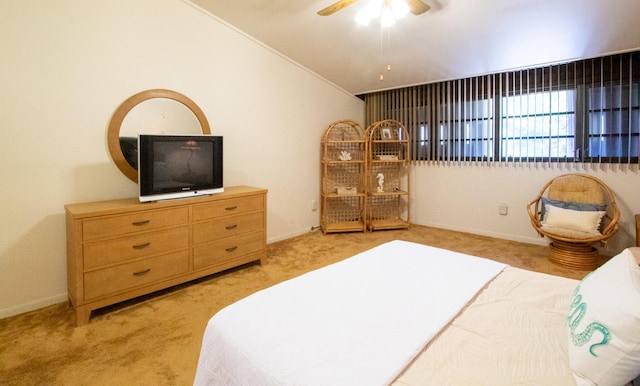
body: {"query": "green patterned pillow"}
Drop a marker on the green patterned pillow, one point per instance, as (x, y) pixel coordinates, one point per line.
(604, 323)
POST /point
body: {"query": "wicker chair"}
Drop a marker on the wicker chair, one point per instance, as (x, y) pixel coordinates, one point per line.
(571, 243)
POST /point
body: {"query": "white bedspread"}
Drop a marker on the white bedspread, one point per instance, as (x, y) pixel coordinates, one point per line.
(356, 322)
(513, 333)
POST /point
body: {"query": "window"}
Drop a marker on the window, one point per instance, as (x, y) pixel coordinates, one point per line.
(614, 121)
(586, 111)
(466, 130)
(421, 148)
(538, 125)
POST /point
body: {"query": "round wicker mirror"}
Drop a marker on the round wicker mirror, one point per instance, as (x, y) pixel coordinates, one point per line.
(169, 106)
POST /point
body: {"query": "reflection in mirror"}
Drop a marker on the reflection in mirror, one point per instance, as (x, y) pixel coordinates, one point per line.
(151, 112)
(155, 116)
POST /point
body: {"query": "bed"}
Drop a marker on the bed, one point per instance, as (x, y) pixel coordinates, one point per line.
(408, 314)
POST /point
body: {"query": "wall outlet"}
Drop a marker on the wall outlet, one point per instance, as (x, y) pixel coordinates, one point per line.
(314, 205)
(503, 209)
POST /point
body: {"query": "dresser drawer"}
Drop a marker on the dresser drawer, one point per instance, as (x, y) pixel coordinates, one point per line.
(227, 227)
(220, 251)
(134, 222)
(138, 273)
(228, 207)
(101, 253)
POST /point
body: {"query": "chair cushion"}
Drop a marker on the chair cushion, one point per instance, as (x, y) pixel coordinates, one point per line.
(576, 188)
(587, 222)
(604, 323)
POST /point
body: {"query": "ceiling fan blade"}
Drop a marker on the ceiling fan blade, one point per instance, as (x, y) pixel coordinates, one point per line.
(335, 7)
(417, 7)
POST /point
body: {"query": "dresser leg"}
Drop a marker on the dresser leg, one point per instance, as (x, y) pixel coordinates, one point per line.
(83, 313)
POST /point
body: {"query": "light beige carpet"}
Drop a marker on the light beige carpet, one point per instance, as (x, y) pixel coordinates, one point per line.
(155, 340)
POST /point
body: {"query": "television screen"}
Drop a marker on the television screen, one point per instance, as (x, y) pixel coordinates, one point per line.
(175, 166)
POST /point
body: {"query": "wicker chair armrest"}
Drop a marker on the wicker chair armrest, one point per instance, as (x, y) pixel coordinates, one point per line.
(533, 211)
(612, 226)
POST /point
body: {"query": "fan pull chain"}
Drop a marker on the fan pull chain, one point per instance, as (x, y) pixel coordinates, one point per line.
(383, 51)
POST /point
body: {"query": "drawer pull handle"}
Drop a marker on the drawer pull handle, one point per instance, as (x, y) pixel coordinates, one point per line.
(139, 223)
(230, 227)
(231, 249)
(141, 273)
(141, 246)
(231, 207)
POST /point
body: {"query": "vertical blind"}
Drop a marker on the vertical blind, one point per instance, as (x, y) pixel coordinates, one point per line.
(582, 112)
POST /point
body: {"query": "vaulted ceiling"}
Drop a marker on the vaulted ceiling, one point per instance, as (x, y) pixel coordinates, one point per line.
(455, 39)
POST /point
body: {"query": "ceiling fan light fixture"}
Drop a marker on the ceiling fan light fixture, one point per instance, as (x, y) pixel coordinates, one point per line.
(387, 18)
(400, 8)
(389, 11)
(362, 18)
(371, 11)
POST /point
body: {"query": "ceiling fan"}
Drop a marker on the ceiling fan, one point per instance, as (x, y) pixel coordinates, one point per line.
(416, 7)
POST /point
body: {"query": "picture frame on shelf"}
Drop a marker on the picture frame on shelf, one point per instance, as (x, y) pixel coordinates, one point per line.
(386, 133)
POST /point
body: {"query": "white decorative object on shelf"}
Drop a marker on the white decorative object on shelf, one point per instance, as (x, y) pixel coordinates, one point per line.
(344, 156)
(346, 190)
(380, 178)
(388, 157)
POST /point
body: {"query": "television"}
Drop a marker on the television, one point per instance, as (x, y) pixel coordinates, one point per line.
(178, 166)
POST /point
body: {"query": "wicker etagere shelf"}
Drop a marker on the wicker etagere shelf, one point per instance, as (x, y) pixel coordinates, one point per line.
(343, 200)
(387, 186)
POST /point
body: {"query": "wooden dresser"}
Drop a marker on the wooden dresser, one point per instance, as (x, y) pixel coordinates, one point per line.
(120, 249)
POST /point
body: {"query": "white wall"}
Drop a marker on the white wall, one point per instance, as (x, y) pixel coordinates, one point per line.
(466, 198)
(67, 65)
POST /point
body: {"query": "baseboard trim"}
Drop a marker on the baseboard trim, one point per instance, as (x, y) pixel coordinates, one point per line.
(483, 232)
(32, 306)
